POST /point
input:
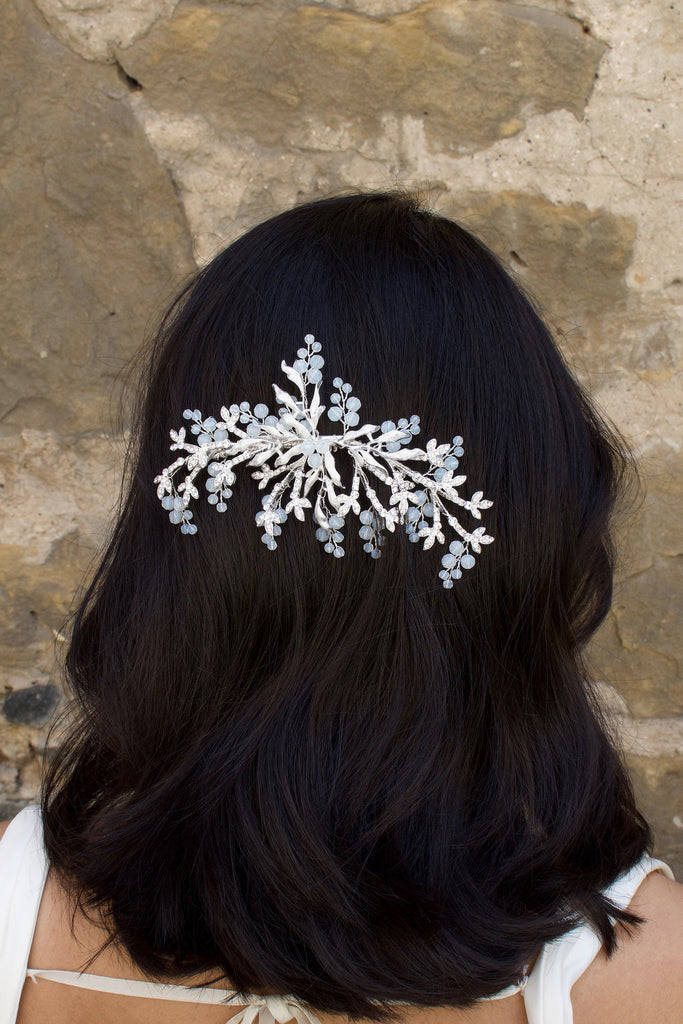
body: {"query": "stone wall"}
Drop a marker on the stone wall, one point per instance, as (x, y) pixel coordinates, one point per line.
(140, 136)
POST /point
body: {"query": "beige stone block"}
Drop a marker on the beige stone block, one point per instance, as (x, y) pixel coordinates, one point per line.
(58, 500)
(94, 239)
(659, 788)
(469, 73)
(571, 258)
(94, 28)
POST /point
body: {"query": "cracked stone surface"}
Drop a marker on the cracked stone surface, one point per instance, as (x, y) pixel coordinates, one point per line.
(139, 134)
(94, 28)
(95, 239)
(301, 77)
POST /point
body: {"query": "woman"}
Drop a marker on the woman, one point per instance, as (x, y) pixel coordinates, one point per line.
(299, 769)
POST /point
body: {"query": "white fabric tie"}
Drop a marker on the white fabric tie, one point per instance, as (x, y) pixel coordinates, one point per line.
(260, 1009)
(274, 1008)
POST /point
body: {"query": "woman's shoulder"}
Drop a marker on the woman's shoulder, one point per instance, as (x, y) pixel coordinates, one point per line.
(643, 980)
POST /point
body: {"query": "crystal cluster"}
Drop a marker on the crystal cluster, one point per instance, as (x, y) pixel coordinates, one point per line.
(290, 455)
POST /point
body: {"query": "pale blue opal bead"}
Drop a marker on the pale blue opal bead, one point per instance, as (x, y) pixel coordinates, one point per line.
(176, 516)
(365, 532)
(282, 515)
(302, 353)
(167, 502)
(467, 561)
(456, 547)
(375, 553)
(321, 533)
(315, 376)
(387, 425)
(440, 473)
(428, 509)
(450, 462)
(352, 419)
(272, 421)
(448, 584)
(337, 382)
(187, 414)
(221, 506)
(253, 430)
(177, 502)
(413, 537)
(338, 552)
(260, 410)
(213, 499)
(204, 439)
(336, 521)
(392, 446)
(210, 423)
(314, 460)
(365, 516)
(412, 515)
(449, 561)
(367, 548)
(353, 404)
(329, 547)
(334, 413)
(317, 362)
(220, 435)
(244, 406)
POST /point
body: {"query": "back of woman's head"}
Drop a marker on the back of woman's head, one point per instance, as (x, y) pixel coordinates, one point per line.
(332, 777)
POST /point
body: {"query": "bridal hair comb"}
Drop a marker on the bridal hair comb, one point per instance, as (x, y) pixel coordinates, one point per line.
(303, 458)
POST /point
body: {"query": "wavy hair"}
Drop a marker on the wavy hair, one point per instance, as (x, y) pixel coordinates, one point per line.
(333, 778)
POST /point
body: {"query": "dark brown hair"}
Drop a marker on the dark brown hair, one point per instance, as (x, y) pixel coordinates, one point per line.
(332, 777)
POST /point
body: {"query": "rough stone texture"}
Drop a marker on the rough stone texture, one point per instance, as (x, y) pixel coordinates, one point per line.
(659, 788)
(94, 28)
(548, 127)
(32, 706)
(302, 77)
(94, 238)
(95, 243)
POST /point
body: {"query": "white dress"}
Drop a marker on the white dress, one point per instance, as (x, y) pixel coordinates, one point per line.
(23, 870)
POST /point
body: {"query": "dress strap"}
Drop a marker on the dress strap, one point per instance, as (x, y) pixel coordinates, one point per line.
(547, 997)
(263, 1009)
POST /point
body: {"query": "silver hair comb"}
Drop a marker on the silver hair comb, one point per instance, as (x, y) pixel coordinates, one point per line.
(304, 458)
